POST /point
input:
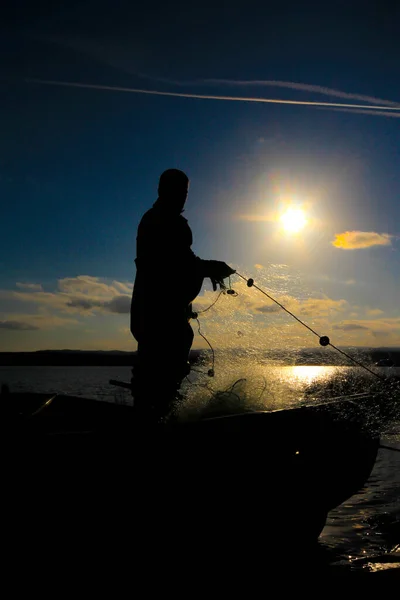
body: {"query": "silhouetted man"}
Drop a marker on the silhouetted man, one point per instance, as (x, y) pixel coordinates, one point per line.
(169, 276)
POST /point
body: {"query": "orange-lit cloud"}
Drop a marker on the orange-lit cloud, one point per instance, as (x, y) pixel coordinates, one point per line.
(374, 312)
(354, 240)
(250, 302)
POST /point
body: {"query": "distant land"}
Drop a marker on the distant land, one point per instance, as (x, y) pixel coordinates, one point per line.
(307, 356)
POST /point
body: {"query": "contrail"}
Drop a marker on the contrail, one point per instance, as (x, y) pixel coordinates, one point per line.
(371, 111)
(305, 87)
(212, 97)
(301, 87)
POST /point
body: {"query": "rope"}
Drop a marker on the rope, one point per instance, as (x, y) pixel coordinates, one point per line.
(223, 290)
(199, 312)
(324, 340)
(211, 371)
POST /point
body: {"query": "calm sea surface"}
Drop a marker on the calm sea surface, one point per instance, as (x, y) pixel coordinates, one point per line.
(367, 523)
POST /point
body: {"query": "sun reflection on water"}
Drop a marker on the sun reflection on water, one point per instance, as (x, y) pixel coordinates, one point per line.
(309, 374)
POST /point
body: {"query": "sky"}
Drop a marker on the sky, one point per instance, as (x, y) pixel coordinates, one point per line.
(79, 165)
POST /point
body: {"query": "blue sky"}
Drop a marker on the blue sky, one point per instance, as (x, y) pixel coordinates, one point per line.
(79, 166)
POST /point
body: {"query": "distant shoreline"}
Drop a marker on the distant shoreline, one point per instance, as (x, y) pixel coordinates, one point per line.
(310, 356)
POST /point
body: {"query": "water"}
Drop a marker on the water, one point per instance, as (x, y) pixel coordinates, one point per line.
(368, 523)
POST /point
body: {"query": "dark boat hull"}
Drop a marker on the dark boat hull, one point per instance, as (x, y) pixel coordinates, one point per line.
(236, 479)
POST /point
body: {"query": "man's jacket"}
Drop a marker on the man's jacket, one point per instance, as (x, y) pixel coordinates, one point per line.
(169, 275)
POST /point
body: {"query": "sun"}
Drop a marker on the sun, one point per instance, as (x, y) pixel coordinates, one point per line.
(293, 220)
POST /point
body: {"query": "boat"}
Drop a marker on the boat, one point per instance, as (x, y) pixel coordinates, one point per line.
(238, 479)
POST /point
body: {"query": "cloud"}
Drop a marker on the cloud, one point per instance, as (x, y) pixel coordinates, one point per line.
(350, 327)
(84, 303)
(268, 308)
(86, 284)
(315, 307)
(120, 305)
(63, 313)
(311, 307)
(27, 322)
(17, 326)
(374, 312)
(125, 288)
(354, 240)
(36, 287)
(83, 294)
(262, 322)
(43, 299)
(258, 319)
(376, 327)
(249, 302)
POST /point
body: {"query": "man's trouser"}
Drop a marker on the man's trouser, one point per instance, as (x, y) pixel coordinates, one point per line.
(161, 365)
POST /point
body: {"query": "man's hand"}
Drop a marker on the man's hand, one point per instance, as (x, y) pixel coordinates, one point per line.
(217, 271)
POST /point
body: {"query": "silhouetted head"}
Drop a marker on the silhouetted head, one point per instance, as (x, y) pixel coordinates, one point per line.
(173, 188)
